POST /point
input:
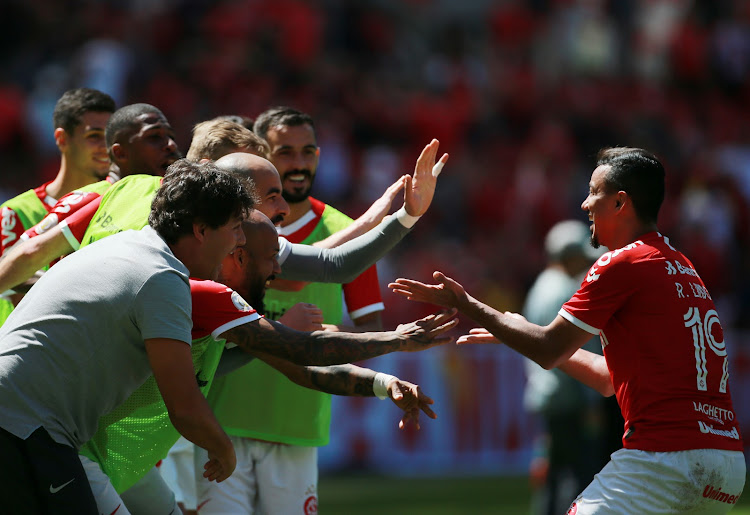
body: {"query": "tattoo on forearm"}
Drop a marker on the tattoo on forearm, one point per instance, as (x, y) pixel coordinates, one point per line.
(317, 348)
(342, 380)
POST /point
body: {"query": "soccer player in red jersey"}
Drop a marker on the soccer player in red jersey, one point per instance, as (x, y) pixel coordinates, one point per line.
(665, 357)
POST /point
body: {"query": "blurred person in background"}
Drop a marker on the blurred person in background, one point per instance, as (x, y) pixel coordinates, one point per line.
(566, 457)
(79, 119)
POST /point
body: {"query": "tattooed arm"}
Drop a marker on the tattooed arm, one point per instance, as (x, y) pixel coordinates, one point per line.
(332, 348)
(352, 380)
(346, 379)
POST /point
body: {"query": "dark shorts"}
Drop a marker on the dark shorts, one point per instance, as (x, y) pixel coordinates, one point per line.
(39, 475)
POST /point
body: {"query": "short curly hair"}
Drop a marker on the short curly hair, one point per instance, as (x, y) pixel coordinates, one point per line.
(192, 193)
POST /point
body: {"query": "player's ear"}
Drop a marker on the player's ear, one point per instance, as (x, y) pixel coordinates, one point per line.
(239, 256)
(199, 230)
(61, 138)
(118, 152)
(622, 197)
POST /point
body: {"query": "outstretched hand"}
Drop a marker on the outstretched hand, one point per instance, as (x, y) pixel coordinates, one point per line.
(447, 292)
(420, 187)
(477, 335)
(382, 206)
(428, 331)
(409, 397)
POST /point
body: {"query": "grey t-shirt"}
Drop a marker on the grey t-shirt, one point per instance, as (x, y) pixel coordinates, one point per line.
(73, 349)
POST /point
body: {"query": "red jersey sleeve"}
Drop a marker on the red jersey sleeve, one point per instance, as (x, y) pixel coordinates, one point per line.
(362, 295)
(217, 309)
(606, 287)
(65, 209)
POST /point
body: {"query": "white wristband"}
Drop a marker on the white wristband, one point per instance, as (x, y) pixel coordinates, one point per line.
(380, 385)
(405, 218)
(7, 293)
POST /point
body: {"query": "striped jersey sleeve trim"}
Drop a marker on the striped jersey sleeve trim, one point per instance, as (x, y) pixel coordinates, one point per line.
(74, 243)
(578, 323)
(234, 323)
(372, 308)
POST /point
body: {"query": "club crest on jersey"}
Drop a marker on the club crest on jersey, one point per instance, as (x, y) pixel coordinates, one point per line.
(239, 302)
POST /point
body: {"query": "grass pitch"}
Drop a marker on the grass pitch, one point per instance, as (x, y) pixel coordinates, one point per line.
(371, 495)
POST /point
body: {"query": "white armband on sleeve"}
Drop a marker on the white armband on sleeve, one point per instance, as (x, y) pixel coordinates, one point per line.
(405, 218)
(380, 385)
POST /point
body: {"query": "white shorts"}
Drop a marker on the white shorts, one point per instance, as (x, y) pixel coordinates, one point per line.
(179, 473)
(270, 479)
(705, 481)
(107, 500)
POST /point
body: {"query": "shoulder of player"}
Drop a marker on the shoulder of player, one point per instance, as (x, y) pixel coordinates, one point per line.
(201, 287)
(333, 218)
(18, 202)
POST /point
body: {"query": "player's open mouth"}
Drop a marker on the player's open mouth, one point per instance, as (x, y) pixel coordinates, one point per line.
(297, 177)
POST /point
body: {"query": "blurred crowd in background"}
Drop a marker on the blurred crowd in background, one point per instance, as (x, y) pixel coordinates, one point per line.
(522, 94)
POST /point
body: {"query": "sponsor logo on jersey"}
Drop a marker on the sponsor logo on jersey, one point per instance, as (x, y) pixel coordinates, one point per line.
(7, 224)
(607, 259)
(717, 495)
(709, 429)
(716, 413)
(240, 303)
(677, 267)
(573, 509)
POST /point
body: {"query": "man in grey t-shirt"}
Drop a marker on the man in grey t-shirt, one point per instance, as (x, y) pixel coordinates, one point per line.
(98, 324)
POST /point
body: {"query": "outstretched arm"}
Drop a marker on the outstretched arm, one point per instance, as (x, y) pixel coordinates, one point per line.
(587, 367)
(371, 218)
(351, 380)
(333, 348)
(23, 260)
(418, 192)
(350, 259)
(548, 346)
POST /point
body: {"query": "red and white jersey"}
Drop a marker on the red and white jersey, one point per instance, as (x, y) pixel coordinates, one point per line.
(12, 226)
(664, 347)
(362, 295)
(217, 308)
(77, 208)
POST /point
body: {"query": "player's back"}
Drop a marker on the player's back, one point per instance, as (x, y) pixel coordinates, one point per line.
(664, 347)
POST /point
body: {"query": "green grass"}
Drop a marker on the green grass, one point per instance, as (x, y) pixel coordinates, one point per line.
(370, 495)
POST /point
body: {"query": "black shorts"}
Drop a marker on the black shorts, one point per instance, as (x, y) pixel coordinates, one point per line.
(39, 475)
